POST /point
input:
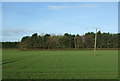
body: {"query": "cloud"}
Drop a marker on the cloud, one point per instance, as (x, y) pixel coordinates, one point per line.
(73, 6)
(15, 32)
(58, 7)
(88, 6)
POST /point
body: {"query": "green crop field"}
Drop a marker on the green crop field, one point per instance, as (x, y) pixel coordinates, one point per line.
(60, 64)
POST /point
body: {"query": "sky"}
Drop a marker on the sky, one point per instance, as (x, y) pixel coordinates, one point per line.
(60, 0)
(25, 18)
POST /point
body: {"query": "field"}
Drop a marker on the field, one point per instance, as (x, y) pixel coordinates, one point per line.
(60, 64)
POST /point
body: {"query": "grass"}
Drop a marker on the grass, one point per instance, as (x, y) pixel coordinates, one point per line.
(60, 64)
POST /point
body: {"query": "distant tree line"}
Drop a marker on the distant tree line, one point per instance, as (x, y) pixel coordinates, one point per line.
(47, 41)
(10, 44)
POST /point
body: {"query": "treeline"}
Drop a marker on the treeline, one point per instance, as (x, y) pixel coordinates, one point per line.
(47, 41)
(10, 44)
